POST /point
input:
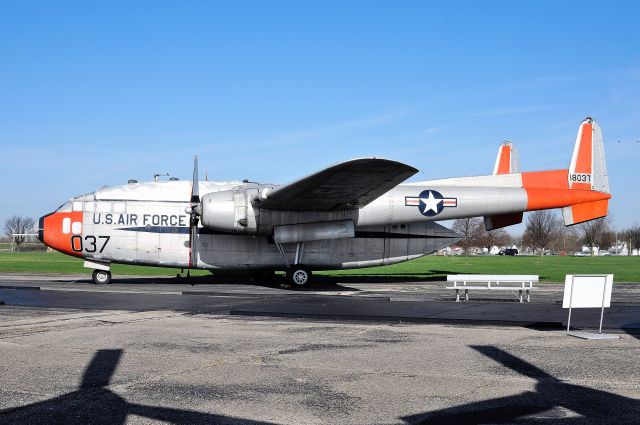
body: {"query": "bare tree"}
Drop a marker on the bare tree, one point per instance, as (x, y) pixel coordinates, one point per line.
(607, 239)
(566, 240)
(542, 227)
(591, 232)
(489, 238)
(18, 225)
(468, 229)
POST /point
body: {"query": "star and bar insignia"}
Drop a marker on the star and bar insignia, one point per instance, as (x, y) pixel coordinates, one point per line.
(430, 202)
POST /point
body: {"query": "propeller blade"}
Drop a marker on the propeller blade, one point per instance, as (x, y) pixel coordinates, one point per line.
(195, 204)
(195, 185)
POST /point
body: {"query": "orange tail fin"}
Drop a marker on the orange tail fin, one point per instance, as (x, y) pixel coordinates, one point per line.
(588, 171)
(507, 160)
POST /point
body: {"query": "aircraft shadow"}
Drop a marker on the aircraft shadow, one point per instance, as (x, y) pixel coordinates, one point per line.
(553, 401)
(322, 283)
(381, 278)
(94, 403)
(633, 330)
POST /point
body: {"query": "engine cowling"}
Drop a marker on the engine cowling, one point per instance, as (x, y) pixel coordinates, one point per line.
(230, 211)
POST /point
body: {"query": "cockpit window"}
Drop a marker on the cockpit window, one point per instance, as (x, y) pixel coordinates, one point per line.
(66, 207)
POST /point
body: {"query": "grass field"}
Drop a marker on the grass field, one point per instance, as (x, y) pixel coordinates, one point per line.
(625, 269)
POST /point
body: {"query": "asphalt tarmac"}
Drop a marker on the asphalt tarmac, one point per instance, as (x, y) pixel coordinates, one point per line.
(230, 350)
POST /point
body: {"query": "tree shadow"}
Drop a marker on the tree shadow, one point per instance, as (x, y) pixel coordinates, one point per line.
(94, 403)
(552, 401)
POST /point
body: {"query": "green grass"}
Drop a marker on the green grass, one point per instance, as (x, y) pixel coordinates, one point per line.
(549, 268)
(625, 269)
(54, 262)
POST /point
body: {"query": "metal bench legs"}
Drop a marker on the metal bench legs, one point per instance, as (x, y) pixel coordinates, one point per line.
(527, 294)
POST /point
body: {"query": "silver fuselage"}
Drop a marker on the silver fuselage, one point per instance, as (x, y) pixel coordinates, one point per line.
(148, 223)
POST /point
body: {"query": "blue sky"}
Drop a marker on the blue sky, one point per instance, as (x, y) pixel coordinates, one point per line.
(95, 93)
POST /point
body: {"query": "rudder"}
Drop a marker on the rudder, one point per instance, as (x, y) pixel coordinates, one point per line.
(588, 170)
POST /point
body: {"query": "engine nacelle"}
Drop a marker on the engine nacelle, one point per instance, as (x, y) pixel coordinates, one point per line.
(229, 211)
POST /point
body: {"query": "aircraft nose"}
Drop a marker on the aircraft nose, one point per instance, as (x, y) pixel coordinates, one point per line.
(62, 231)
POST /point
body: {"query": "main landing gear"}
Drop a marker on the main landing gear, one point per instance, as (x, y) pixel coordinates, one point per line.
(101, 277)
(299, 276)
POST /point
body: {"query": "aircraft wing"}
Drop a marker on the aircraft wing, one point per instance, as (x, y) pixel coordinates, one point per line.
(345, 186)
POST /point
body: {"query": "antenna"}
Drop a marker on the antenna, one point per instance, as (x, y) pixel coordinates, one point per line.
(156, 177)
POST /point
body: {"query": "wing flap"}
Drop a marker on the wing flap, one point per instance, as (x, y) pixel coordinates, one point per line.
(345, 186)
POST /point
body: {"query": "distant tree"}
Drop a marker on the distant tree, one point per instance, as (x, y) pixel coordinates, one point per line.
(468, 229)
(542, 228)
(591, 231)
(566, 240)
(632, 235)
(18, 225)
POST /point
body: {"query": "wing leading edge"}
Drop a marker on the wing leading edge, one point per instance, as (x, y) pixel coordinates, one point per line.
(345, 186)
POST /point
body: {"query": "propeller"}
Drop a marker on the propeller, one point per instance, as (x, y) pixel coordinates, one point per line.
(195, 216)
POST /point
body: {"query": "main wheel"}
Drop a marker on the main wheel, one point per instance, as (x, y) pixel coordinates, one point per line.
(299, 277)
(101, 276)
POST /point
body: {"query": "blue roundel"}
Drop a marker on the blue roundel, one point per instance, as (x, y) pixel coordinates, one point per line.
(431, 203)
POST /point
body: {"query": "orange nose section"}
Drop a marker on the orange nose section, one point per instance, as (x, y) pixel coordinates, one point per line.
(62, 231)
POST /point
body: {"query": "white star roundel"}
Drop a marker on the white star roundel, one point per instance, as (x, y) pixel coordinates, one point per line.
(430, 202)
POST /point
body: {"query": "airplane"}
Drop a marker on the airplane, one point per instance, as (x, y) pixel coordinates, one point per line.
(354, 214)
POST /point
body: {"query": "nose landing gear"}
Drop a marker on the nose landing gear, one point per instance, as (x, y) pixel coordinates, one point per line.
(101, 277)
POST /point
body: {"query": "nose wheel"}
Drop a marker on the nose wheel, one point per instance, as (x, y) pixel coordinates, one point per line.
(299, 277)
(101, 277)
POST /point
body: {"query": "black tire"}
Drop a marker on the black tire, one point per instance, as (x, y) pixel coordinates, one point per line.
(101, 277)
(299, 277)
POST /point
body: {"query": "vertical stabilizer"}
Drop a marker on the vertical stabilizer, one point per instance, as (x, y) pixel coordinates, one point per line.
(507, 161)
(588, 170)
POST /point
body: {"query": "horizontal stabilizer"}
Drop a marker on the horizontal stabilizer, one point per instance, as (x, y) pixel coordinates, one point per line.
(507, 161)
(492, 222)
(345, 186)
(585, 211)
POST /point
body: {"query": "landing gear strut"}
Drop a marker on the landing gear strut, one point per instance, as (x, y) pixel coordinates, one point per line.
(101, 276)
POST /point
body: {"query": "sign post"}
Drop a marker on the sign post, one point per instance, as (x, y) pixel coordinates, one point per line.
(588, 291)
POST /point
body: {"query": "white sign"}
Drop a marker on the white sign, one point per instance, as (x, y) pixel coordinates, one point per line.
(587, 291)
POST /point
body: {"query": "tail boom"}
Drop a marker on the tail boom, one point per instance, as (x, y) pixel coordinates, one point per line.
(550, 189)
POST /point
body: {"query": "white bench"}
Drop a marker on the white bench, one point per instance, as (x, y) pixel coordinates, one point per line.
(513, 282)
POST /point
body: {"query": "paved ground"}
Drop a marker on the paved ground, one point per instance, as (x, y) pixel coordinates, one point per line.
(189, 361)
